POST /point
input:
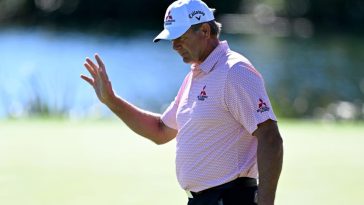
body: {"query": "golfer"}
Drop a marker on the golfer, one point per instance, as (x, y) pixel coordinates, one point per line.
(221, 117)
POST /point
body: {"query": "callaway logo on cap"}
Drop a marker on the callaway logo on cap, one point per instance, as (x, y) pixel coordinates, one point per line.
(181, 15)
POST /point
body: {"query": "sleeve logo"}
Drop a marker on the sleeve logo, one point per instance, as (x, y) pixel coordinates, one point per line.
(262, 106)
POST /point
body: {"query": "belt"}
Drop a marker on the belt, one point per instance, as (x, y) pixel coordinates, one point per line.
(241, 182)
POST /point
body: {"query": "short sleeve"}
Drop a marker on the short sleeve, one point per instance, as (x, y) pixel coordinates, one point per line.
(246, 97)
(169, 117)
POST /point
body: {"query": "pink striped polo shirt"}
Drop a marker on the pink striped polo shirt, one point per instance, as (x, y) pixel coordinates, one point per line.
(216, 110)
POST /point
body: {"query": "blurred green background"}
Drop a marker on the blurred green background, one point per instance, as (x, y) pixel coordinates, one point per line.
(59, 145)
(91, 162)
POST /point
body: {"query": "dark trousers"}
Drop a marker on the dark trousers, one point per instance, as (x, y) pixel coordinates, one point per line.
(238, 192)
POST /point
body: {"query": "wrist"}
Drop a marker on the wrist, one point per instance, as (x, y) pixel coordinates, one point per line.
(112, 103)
(265, 197)
(265, 201)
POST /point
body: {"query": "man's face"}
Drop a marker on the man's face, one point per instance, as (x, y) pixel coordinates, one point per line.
(191, 46)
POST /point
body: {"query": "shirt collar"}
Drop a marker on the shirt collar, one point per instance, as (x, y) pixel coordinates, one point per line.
(211, 60)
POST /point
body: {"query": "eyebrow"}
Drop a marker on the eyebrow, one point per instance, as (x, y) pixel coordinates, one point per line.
(185, 34)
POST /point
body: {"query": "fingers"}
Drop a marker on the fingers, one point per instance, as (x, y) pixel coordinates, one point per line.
(92, 64)
(96, 71)
(91, 70)
(87, 79)
(99, 61)
(102, 69)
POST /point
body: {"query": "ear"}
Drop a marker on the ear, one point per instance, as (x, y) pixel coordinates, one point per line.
(205, 29)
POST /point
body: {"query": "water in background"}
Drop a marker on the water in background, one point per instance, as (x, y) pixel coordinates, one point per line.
(321, 76)
(47, 65)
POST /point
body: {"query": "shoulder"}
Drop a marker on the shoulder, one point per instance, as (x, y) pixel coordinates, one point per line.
(233, 58)
(241, 69)
(236, 63)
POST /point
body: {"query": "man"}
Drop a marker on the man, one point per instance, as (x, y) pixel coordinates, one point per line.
(222, 119)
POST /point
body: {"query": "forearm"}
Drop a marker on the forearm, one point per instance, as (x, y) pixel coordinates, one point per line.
(270, 158)
(142, 122)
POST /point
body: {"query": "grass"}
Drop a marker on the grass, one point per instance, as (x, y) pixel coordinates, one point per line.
(58, 162)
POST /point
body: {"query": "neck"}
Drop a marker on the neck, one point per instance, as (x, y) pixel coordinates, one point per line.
(211, 44)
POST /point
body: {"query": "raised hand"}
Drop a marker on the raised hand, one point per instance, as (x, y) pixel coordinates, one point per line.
(99, 80)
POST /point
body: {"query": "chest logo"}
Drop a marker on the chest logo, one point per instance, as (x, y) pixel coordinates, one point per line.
(262, 106)
(203, 94)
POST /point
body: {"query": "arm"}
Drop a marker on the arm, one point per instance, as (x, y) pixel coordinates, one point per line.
(144, 123)
(270, 158)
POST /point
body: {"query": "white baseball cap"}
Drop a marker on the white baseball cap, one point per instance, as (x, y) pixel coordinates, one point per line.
(181, 15)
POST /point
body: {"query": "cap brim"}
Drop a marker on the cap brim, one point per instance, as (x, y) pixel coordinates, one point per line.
(171, 33)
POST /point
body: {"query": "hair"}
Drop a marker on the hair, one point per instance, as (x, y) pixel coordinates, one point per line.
(215, 27)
